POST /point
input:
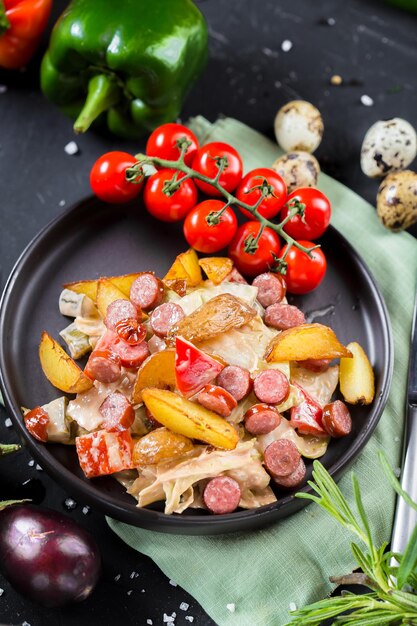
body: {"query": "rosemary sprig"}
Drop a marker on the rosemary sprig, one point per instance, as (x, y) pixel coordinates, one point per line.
(390, 600)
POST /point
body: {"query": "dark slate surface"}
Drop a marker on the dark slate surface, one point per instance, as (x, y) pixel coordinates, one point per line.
(372, 46)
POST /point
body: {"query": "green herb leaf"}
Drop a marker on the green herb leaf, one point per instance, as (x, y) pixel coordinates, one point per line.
(394, 481)
(408, 563)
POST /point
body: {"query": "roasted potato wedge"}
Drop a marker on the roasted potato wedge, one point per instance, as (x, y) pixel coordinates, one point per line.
(185, 267)
(356, 376)
(159, 445)
(60, 369)
(216, 268)
(190, 419)
(157, 371)
(89, 287)
(307, 341)
(216, 316)
(107, 293)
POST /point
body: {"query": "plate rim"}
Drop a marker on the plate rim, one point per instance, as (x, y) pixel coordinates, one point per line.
(146, 518)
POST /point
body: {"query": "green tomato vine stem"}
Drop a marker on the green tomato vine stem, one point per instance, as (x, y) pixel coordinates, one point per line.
(135, 173)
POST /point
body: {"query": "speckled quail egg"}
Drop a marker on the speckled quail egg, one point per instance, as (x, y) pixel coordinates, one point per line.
(298, 169)
(388, 146)
(396, 202)
(298, 126)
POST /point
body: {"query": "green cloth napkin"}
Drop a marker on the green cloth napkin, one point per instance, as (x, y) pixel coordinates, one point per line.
(264, 571)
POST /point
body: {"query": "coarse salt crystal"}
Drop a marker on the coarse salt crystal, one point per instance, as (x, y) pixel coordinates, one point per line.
(149, 622)
(286, 45)
(367, 100)
(129, 593)
(231, 607)
(184, 606)
(189, 618)
(86, 509)
(168, 619)
(293, 606)
(70, 504)
(38, 467)
(173, 583)
(61, 203)
(1, 592)
(71, 148)
(25, 623)
(116, 578)
(142, 590)
(132, 575)
(31, 463)
(8, 422)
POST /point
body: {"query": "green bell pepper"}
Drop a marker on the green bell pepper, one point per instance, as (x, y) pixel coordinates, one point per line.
(132, 61)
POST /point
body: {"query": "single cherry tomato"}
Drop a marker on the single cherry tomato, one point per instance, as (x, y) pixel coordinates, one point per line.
(316, 218)
(205, 162)
(108, 180)
(270, 205)
(304, 273)
(262, 258)
(162, 143)
(173, 207)
(131, 331)
(36, 422)
(206, 237)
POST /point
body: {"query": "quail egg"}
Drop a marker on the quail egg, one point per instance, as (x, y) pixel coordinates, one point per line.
(396, 202)
(298, 169)
(298, 126)
(388, 146)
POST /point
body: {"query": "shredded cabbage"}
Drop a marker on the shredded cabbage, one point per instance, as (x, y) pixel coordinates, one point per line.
(319, 385)
(193, 300)
(175, 480)
(307, 445)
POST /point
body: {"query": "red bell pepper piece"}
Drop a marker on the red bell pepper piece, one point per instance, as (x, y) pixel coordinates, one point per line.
(307, 416)
(193, 368)
(102, 453)
(36, 422)
(22, 23)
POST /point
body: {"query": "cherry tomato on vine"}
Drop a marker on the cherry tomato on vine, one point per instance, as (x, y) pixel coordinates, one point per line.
(262, 258)
(317, 214)
(205, 162)
(169, 208)
(304, 273)
(162, 143)
(205, 237)
(108, 181)
(270, 205)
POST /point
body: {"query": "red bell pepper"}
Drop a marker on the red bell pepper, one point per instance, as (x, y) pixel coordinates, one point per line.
(307, 416)
(193, 368)
(22, 23)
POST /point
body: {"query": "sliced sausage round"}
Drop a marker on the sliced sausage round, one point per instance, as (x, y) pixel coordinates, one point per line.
(164, 317)
(103, 366)
(271, 386)
(222, 495)
(147, 291)
(217, 399)
(315, 365)
(121, 310)
(336, 419)
(281, 457)
(130, 356)
(271, 288)
(236, 380)
(261, 419)
(117, 412)
(294, 479)
(283, 316)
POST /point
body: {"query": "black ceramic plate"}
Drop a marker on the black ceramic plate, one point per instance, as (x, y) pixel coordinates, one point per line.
(93, 239)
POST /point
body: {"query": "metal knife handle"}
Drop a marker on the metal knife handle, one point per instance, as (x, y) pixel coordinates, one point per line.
(405, 516)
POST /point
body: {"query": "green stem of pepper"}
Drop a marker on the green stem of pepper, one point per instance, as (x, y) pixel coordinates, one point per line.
(4, 22)
(8, 448)
(180, 166)
(103, 93)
